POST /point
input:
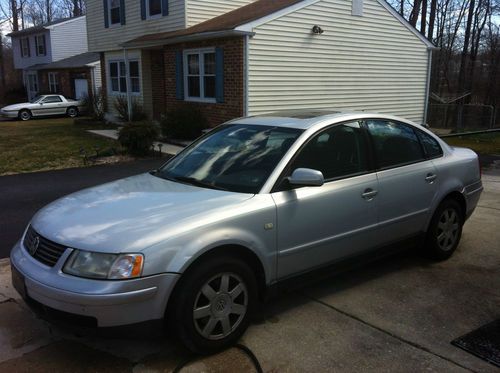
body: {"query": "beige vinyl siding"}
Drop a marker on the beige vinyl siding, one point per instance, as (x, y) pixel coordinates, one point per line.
(371, 62)
(198, 11)
(102, 39)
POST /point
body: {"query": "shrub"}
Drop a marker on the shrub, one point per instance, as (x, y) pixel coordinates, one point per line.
(121, 106)
(185, 123)
(95, 105)
(138, 137)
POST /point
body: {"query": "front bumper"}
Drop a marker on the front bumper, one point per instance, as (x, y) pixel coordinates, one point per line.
(111, 303)
(9, 114)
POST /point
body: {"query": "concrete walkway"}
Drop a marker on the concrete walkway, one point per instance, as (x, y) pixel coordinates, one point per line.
(165, 148)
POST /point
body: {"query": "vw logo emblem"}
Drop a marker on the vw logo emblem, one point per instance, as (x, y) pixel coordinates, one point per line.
(34, 245)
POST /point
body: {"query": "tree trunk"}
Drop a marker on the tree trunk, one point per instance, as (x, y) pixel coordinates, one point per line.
(465, 49)
(77, 11)
(415, 12)
(432, 20)
(49, 16)
(15, 16)
(423, 21)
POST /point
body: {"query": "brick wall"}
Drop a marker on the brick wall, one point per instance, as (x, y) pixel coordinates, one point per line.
(233, 105)
(158, 83)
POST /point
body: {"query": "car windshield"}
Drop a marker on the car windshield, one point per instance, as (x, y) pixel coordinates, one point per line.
(234, 157)
(36, 99)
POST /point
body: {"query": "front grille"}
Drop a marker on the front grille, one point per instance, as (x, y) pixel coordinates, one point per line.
(40, 248)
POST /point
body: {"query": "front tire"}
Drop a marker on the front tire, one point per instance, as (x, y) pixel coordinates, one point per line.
(72, 112)
(212, 304)
(445, 230)
(25, 115)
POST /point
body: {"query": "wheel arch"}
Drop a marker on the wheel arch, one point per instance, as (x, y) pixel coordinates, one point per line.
(236, 251)
(455, 195)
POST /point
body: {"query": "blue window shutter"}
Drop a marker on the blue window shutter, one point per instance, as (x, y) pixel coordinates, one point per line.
(179, 76)
(143, 9)
(122, 12)
(164, 7)
(106, 13)
(219, 75)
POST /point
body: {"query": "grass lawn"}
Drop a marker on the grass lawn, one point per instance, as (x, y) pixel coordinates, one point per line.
(43, 144)
(487, 143)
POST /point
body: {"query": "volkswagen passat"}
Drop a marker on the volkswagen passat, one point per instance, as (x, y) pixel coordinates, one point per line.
(254, 202)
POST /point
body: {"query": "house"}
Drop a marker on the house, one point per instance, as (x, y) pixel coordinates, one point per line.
(54, 58)
(236, 58)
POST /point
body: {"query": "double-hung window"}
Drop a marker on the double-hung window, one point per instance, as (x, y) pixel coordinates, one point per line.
(25, 47)
(40, 45)
(53, 83)
(114, 12)
(153, 8)
(199, 75)
(118, 76)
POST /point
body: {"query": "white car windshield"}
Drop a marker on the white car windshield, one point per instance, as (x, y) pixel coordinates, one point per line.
(234, 157)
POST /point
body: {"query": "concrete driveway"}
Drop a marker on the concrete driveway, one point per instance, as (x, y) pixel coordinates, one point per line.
(397, 315)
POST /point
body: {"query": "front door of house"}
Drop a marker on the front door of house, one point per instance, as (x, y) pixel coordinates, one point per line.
(81, 88)
(32, 85)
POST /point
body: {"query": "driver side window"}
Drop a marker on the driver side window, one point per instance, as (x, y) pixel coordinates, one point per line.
(338, 152)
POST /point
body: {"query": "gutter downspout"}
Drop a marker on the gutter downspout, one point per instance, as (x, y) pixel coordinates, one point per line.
(127, 78)
(245, 78)
(428, 85)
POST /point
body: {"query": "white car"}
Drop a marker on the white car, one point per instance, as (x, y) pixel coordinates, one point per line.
(42, 106)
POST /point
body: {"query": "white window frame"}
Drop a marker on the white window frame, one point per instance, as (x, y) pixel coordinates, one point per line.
(111, 24)
(149, 16)
(128, 80)
(201, 61)
(53, 82)
(41, 38)
(25, 47)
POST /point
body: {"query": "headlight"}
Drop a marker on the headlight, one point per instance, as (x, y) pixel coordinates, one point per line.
(104, 266)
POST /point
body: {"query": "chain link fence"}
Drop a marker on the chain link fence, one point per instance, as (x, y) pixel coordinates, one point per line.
(458, 118)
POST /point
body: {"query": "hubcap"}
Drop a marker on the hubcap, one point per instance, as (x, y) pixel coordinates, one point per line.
(220, 306)
(448, 227)
(25, 115)
(71, 112)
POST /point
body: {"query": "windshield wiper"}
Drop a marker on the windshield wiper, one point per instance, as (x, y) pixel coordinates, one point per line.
(195, 182)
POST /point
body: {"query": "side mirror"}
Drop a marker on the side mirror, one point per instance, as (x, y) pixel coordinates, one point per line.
(306, 177)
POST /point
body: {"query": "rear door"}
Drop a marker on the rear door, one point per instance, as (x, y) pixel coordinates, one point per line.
(319, 225)
(407, 180)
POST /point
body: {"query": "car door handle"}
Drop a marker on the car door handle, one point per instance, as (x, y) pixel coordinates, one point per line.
(430, 178)
(369, 194)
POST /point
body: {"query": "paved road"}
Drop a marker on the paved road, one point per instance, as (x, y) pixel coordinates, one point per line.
(24, 194)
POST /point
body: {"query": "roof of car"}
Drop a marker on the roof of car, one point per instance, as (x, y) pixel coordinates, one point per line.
(305, 119)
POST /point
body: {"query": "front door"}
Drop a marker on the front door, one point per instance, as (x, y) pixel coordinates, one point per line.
(32, 85)
(81, 88)
(319, 225)
(406, 178)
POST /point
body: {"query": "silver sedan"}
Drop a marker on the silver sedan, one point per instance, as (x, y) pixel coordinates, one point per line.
(253, 203)
(43, 106)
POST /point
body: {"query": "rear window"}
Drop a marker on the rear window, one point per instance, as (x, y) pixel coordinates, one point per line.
(395, 144)
(431, 146)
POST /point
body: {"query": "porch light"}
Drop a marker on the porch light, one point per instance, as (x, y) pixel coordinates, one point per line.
(317, 30)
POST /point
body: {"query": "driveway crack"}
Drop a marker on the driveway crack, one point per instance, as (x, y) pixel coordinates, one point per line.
(401, 339)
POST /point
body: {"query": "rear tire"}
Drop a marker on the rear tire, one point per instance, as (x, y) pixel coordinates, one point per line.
(212, 303)
(72, 112)
(445, 230)
(25, 115)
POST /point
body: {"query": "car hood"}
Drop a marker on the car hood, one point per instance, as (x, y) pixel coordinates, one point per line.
(17, 106)
(129, 214)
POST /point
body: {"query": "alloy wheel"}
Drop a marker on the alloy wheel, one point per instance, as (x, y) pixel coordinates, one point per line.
(220, 306)
(448, 229)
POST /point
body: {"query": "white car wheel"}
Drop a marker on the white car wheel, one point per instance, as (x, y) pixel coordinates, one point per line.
(25, 115)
